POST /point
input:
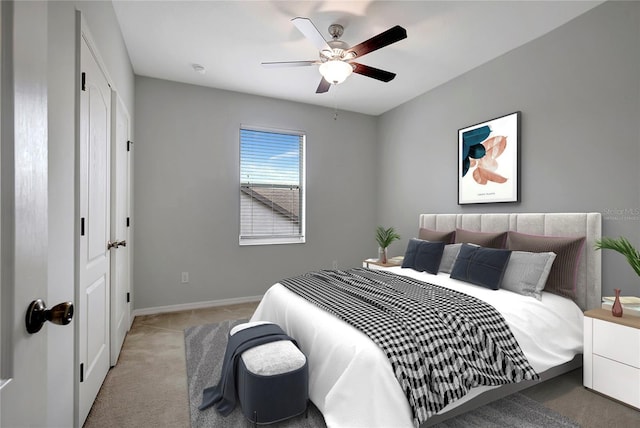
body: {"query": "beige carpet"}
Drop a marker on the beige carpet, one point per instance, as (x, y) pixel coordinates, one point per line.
(566, 395)
(148, 386)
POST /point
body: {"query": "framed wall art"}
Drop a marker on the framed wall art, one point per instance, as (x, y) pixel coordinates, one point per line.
(488, 161)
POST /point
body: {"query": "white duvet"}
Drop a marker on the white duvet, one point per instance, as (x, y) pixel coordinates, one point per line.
(351, 380)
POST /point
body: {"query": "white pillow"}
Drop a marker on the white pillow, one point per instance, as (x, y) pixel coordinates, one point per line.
(527, 273)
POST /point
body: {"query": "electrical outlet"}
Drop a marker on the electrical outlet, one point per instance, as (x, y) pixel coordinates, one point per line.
(184, 278)
(334, 264)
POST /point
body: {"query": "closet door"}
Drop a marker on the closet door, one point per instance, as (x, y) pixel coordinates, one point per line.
(94, 202)
(120, 226)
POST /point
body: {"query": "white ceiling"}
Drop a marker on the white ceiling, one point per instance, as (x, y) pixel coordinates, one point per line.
(231, 38)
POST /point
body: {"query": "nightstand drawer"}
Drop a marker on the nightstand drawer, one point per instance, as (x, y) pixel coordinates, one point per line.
(616, 380)
(616, 342)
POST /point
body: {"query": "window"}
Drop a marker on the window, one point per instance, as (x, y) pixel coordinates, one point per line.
(272, 192)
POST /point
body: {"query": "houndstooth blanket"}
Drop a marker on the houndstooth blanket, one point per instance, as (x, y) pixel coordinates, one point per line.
(440, 342)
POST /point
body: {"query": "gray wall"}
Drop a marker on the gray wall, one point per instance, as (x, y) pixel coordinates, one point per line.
(578, 88)
(62, 83)
(186, 183)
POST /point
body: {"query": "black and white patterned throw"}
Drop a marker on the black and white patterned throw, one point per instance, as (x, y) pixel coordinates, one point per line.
(440, 342)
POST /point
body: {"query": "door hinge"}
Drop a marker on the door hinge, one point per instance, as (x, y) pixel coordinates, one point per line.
(82, 226)
(128, 221)
(84, 81)
(81, 372)
(128, 297)
(129, 144)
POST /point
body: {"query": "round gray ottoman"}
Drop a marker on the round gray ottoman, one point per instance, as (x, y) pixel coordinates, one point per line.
(272, 381)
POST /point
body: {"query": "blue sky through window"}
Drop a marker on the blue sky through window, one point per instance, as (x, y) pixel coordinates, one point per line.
(269, 157)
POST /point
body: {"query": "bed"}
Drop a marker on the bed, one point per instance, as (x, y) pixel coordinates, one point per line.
(351, 379)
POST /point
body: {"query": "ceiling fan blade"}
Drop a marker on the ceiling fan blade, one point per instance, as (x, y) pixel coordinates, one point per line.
(375, 73)
(383, 39)
(288, 64)
(310, 31)
(323, 86)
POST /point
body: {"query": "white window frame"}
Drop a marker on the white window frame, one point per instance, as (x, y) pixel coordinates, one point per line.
(299, 238)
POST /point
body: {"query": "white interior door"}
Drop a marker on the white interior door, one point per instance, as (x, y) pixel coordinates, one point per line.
(94, 202)
(120, 222)
(23, 226)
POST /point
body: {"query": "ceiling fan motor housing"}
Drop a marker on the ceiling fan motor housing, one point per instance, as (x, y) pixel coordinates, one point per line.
(338, 51)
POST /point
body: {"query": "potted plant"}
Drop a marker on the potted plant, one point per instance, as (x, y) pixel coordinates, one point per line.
(385, 237)
(624, 247)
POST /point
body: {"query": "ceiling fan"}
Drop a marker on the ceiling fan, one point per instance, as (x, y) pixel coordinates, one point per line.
(337, 58)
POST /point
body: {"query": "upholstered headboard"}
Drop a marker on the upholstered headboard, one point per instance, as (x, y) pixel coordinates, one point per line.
(589, 225)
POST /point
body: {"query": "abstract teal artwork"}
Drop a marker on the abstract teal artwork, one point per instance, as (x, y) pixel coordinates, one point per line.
(488, 161)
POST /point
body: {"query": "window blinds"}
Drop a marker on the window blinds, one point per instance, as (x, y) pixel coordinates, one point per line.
(271, 187)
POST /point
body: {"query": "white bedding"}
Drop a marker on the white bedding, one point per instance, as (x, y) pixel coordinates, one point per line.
(351, 380)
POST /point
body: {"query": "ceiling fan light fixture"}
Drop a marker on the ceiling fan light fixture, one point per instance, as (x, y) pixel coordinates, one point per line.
(335, 71)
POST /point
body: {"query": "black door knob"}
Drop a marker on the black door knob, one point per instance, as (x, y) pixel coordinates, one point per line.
(37, 314)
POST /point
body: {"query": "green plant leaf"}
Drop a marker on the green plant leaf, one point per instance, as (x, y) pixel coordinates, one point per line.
(624, 247)
(385, 237)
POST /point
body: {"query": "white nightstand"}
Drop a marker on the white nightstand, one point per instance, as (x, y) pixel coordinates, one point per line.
(612, 355)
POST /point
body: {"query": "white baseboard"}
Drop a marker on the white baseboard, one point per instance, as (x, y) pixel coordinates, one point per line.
(194, 305)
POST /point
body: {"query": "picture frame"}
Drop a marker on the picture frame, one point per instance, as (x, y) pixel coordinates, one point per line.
(489, 162)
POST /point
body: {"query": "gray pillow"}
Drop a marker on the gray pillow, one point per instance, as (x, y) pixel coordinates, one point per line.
(527, 273)
(449, 257)
(563, 276)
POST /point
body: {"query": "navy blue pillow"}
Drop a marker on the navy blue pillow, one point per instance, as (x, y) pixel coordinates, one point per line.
(429, 256)
(423, 256)
(409, 260)
(481, 266)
